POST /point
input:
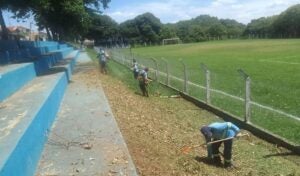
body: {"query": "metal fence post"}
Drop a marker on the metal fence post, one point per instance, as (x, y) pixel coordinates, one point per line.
(185, 85)
(156, 68)
(126, 62)
(132, 56)
(247, 95)
(123, 59)
(167, 70)
(207, 82)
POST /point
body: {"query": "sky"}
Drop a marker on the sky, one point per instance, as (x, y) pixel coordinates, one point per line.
(172, 11)
(29, 22)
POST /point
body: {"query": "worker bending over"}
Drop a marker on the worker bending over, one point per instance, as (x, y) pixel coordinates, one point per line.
(217, 131)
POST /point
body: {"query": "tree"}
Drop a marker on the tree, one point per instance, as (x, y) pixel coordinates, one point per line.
(149, 27)
(61, 17)
(217, 30)
(182, 30)
(103, 29)
(234, 29)
(14, 6)
(288, 22)
(3, 27)
(203, 27)
(143, 28)
(260, 28)
(167, 31)
(196, 33)
(129, 30)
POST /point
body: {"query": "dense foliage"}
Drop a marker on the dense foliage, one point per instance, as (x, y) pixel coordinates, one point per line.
(285, 25)
(103, 29)
(60, 18)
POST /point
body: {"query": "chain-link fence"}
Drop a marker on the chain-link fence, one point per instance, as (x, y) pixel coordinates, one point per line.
(230, 92)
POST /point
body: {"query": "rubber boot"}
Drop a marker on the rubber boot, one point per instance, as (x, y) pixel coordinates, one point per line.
(209, 152)
(228, 164)
(217, 160)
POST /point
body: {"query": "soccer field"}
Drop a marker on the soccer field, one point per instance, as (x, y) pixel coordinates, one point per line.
(274, 68)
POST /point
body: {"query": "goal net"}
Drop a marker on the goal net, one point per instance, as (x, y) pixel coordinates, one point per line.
(170, 41)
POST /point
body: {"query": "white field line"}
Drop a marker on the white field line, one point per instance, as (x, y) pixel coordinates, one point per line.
(280, 62)
(233, 97)
(275, 110)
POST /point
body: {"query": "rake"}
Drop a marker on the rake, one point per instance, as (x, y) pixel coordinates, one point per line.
(187, 149)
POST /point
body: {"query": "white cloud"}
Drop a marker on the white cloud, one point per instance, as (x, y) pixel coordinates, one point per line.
(175, 10)
(223, 2)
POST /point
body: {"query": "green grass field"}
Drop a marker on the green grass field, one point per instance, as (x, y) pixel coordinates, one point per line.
(273, 65)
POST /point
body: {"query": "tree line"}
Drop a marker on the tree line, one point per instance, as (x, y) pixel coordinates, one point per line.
(69, 19)
(147, 28)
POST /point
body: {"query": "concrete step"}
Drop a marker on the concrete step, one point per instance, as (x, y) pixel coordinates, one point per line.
(61, 46)
(64, 51)
(85, 138)
(25, 117)
(67, 65)
(49, 60)
(13, 77)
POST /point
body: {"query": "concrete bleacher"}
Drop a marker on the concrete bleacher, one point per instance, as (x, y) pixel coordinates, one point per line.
(31, 91)
(25, 120)
(85, 139)
(28, 51)
(32, 98)
(4, 55)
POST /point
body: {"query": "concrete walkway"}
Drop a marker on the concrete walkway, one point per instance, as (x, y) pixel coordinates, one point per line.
(85, 139)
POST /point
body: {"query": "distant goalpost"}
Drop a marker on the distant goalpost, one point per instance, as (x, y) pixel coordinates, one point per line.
(171, 41)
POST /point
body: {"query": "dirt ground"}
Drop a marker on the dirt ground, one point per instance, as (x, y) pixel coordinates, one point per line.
(155, 129)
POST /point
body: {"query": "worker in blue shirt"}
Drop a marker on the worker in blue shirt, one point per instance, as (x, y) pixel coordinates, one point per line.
(218, 131)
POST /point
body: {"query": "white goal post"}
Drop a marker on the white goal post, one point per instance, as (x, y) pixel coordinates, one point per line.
(170, 41)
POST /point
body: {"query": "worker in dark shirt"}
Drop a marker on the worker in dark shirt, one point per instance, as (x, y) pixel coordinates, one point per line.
(144, 81)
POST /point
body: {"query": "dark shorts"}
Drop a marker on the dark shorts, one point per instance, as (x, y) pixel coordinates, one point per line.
(103, 64)
(135, 74)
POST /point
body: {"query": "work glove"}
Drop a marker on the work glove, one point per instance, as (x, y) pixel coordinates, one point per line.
(238, 135)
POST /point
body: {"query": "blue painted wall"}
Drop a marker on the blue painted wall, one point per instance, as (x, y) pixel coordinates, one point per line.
(23, 161)
(12, 81)
(4, 57)
(8, 45)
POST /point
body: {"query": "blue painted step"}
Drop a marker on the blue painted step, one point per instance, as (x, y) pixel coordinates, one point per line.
(67, 65)
(13, 77)
(25, 118)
